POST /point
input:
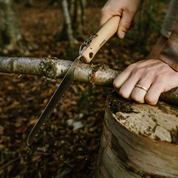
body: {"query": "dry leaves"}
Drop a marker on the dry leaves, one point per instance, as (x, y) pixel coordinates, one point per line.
(67, 145)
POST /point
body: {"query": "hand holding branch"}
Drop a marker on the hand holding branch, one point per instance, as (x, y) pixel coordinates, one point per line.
(144, 81)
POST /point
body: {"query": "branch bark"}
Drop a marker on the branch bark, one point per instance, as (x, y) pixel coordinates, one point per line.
(55, 68)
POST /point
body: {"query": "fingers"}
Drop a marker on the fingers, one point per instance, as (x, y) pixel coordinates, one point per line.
(106, 13)
(128, 86)
(139, 94)
(120, 80)
(161, 84)
(153, 94)
(125, 23)
(105, 17)
(125, 84)
(153, 76)
(146, 92)
(125, 9)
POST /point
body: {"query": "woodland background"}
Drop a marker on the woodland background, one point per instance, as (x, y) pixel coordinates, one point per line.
(68, 144)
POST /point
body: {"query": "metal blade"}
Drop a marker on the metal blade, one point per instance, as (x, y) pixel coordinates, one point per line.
(68, 78)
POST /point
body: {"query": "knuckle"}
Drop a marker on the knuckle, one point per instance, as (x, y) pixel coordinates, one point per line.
(149, 73)
(131, 67)
(138, 72)
(125, 8)
(129, 11)
(126, 26)
(161, 79)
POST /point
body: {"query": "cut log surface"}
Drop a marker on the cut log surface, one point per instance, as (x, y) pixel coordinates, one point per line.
(138, 140)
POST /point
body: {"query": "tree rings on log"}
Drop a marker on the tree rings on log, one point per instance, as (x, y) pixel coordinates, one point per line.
(138, 140)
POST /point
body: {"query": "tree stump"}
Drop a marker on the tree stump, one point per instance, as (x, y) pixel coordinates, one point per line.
(138, 140)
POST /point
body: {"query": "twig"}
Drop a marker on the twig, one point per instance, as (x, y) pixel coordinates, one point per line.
(10, 162)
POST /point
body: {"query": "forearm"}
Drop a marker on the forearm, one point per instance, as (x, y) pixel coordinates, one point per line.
(170, 52)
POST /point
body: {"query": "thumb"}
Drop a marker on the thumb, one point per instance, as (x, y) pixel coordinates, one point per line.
(124, 24)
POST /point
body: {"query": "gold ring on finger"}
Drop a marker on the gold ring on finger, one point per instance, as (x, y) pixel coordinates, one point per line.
(141, 87)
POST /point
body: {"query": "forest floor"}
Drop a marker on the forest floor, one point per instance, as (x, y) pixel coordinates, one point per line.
(68, 144)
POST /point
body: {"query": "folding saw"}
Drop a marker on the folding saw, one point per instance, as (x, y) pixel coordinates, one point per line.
(86, 53)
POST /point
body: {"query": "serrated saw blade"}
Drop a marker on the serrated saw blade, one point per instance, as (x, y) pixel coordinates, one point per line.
(68, 78)
(86, 51)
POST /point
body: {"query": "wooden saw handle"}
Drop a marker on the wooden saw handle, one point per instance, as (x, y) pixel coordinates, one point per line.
(103, 35)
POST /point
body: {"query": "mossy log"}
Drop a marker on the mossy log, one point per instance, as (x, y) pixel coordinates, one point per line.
(138, 140)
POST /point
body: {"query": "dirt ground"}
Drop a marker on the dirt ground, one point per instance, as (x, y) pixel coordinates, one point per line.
(68, 144)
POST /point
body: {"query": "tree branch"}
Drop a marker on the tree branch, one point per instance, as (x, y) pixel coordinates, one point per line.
(55, 68)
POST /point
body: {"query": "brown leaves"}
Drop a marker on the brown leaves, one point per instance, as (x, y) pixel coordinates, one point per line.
(1, 130)
(22, 128)
(24, 101)
(59, 150)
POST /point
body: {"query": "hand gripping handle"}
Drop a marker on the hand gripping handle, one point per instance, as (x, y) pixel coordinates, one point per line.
(103, 35)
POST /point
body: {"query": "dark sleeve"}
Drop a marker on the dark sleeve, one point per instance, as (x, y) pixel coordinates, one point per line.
(169, 53)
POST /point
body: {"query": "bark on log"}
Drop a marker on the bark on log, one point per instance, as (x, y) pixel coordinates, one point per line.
(53, 68)
(138, 140)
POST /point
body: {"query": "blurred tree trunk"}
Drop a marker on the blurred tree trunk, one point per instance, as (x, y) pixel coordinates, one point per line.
(29, 3)
(17, 1)
(12, 38)
(67, 24)
(54, 2)
(90, 2)
(78, 18)
(77, 11)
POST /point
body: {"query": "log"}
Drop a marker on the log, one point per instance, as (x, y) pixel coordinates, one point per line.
(138, 140)
(56, 68)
